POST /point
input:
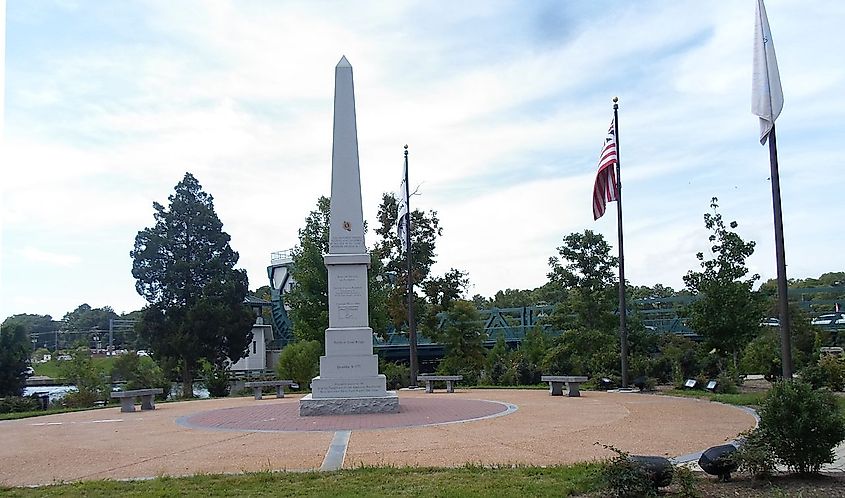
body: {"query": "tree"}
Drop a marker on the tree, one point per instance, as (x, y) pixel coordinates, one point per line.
(463, 338)
(585, 269)
(425, 228)
(300, 362)
(309, 298)
(14, 358)
(184, 268)
(41, 328)
(84, 317)
(728, 312)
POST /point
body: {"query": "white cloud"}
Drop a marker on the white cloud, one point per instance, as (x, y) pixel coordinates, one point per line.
(48, 258)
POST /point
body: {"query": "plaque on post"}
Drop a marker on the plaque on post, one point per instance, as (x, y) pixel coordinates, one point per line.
(349, 381)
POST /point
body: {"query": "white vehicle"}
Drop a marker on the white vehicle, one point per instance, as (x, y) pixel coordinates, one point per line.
(836, 318)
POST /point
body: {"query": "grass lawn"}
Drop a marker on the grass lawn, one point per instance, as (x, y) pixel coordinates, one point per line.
(742, 399)
(368, 481)
(53, 368)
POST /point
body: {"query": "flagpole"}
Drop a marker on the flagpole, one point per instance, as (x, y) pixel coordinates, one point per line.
(412, 326)
(623, 331)
(780, 255)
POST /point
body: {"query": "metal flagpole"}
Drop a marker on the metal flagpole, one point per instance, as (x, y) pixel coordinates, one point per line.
(412, 326)
(623, 331)
(780, 255)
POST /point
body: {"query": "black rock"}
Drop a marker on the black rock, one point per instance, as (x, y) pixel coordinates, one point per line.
(659, 469)
(717, 461)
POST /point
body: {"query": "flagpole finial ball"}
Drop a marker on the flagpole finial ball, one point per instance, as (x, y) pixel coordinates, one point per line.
(615, 99)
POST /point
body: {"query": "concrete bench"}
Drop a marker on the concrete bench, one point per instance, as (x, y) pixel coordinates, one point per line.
(449, 379)
(556, 383)
(127, 398)
(279, 384)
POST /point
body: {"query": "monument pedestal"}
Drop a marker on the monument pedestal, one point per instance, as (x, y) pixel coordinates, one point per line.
(309, 406)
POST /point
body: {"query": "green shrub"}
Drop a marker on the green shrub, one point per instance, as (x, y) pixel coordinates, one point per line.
(624, 478)
(16, 404)
(755, 455)
(140, 372)
(726, 384)
(685, 478)
(90, 384)
(398, 375)
(832, 371)
(801, 425)
(216, 380)
(300, 362)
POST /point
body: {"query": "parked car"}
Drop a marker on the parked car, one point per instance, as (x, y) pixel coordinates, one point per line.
(836, 318)
(770, 322)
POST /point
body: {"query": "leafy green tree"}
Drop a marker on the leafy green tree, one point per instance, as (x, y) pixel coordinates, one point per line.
(440, 293)
(14, 358)
(763, 354)
(184, 268)
(585, 268)
(425, 229)
(300, 362)
(463, 338)
(583, 352)
(84, 317)
(39, 327)
(497, 362)
(90, 382)
(309, 298)
(140, 372)
(728, 312)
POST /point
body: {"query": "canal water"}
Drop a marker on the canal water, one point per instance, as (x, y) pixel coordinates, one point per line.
(58, 392)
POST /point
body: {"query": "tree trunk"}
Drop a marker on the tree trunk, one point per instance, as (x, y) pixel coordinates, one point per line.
(187, 381)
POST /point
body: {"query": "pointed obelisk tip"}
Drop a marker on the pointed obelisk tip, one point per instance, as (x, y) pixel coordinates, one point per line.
(343, 62)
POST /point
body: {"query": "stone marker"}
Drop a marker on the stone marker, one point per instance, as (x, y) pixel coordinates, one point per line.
(718, 461)
(349, 381)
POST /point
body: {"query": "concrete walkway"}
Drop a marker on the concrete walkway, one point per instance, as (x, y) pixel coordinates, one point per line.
(537, 429)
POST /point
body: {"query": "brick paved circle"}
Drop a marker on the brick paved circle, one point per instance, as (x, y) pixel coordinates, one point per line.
(284, 416)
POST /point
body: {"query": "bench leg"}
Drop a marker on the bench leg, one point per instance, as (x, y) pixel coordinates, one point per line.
(280, 391)
(555, 388)
(257, 391)
(572, 387)
(127, 405)
(450, 388)
(148, 402)
(429, 386)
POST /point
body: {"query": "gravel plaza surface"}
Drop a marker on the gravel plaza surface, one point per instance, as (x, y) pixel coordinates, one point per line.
(230, 435)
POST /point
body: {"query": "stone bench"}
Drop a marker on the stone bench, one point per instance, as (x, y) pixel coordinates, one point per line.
(279, 384)
(127, 398)
(449, 379)
(556, 383)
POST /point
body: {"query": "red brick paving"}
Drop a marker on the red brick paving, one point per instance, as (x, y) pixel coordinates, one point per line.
(436, 409)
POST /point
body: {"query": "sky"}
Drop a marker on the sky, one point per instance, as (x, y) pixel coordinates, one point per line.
(504, 106)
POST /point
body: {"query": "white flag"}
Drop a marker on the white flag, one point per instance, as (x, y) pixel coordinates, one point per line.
(402, 211)
(766, 93)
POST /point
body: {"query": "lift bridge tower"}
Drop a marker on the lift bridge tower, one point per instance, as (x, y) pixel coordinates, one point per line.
(281, 282)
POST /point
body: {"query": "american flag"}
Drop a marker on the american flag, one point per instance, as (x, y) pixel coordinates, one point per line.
(606, 189)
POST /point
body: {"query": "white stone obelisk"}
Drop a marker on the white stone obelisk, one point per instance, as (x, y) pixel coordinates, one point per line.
(349, 381)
